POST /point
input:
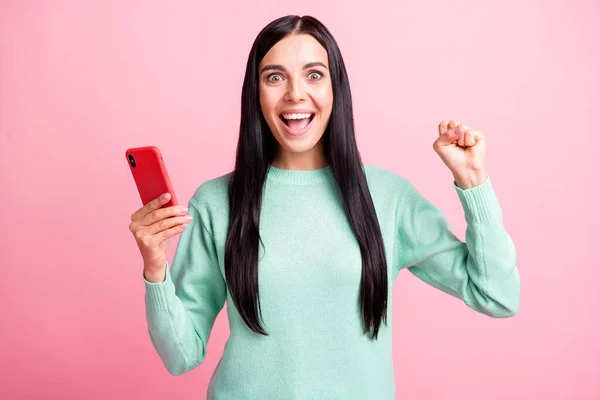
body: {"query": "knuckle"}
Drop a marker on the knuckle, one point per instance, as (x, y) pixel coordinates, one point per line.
(146, 241)
(138, 236)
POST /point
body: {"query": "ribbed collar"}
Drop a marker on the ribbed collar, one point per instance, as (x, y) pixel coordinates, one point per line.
(299, 177)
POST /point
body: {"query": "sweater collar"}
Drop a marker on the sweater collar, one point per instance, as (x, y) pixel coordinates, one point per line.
(299, 177)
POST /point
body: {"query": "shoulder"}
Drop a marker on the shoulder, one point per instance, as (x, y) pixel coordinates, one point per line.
(396, 192)
(212, 194)
(382, 179)
(389, 190)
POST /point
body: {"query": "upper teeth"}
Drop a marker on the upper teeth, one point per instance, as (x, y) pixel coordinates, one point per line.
(296, 116)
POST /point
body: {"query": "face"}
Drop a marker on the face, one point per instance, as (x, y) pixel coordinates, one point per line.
(296, 98)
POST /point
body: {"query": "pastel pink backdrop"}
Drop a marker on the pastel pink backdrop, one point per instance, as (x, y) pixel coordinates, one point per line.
(80, 82)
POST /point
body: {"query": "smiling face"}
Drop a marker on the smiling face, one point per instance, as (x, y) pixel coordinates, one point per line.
(296, 98)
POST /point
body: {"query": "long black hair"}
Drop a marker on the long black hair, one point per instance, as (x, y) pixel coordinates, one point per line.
(256, 149)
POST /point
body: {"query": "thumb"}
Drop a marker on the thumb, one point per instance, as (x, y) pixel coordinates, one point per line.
(450, 136)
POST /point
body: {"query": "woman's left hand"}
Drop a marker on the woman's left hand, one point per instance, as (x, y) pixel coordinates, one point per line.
(462, 149)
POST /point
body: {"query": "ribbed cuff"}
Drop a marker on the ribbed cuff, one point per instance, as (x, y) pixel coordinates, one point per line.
(158, 293)
(480, 203)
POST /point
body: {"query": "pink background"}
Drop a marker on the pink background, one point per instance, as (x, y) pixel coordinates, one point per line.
(80, 82)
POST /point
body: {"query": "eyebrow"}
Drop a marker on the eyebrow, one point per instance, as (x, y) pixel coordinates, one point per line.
(282, 68)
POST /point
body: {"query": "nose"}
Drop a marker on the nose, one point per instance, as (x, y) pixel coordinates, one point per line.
(295, 91)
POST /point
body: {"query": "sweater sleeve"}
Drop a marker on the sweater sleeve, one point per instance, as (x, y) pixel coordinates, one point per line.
(481, 272)
(182, 309)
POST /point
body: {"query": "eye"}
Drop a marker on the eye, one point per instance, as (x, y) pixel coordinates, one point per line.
(315, 73)
(270, 80)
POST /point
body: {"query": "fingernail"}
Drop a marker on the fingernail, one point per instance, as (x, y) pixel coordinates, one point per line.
(165, 196)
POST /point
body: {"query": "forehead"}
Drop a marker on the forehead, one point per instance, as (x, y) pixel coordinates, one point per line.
(294, 51)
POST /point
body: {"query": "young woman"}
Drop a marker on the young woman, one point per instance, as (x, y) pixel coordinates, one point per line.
(304, 242)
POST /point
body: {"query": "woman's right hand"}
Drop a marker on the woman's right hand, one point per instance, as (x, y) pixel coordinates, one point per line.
(152, 226)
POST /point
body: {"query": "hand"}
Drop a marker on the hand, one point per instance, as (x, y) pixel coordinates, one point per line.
(462, 149)
(152, 226)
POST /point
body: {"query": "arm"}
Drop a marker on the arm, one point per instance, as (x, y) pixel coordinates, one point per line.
(482, 272)
(182, 309)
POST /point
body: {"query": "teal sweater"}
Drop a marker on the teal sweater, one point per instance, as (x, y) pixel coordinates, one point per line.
(309, 279)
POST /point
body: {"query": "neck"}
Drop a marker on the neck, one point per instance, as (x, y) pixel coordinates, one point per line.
(310, 160)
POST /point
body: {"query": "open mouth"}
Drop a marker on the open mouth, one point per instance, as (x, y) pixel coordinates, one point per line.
(297, 122)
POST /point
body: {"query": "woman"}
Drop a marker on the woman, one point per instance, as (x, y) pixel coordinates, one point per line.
(304, 234)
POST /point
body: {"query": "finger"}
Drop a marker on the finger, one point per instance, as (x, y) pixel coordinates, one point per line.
(460, 133)
(443, 127)
(168, 223)
(468, 139)
(168, 233)
(162, 213)
(152, 205)
(453, 124)
(448, 138)
(476, 136)
(462, 138)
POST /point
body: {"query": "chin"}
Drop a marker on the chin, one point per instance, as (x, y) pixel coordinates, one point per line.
(299, 144)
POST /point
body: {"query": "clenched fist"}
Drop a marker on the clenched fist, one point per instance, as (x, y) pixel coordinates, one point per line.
(462, 149)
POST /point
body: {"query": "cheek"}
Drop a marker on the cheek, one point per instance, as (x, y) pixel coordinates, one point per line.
(268, 101)
(324, 99)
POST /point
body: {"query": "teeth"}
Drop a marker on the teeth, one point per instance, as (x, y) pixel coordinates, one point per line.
(296, 116)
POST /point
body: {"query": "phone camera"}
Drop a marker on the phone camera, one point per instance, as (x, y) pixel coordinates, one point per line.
(131, 161)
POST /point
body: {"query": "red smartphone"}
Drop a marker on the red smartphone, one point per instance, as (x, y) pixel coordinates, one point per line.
(150, 174)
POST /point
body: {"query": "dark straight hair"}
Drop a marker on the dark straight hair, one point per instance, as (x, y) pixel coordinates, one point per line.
(256, 149)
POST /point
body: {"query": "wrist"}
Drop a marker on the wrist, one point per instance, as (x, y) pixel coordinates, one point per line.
(155, 275)
(471, 179)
